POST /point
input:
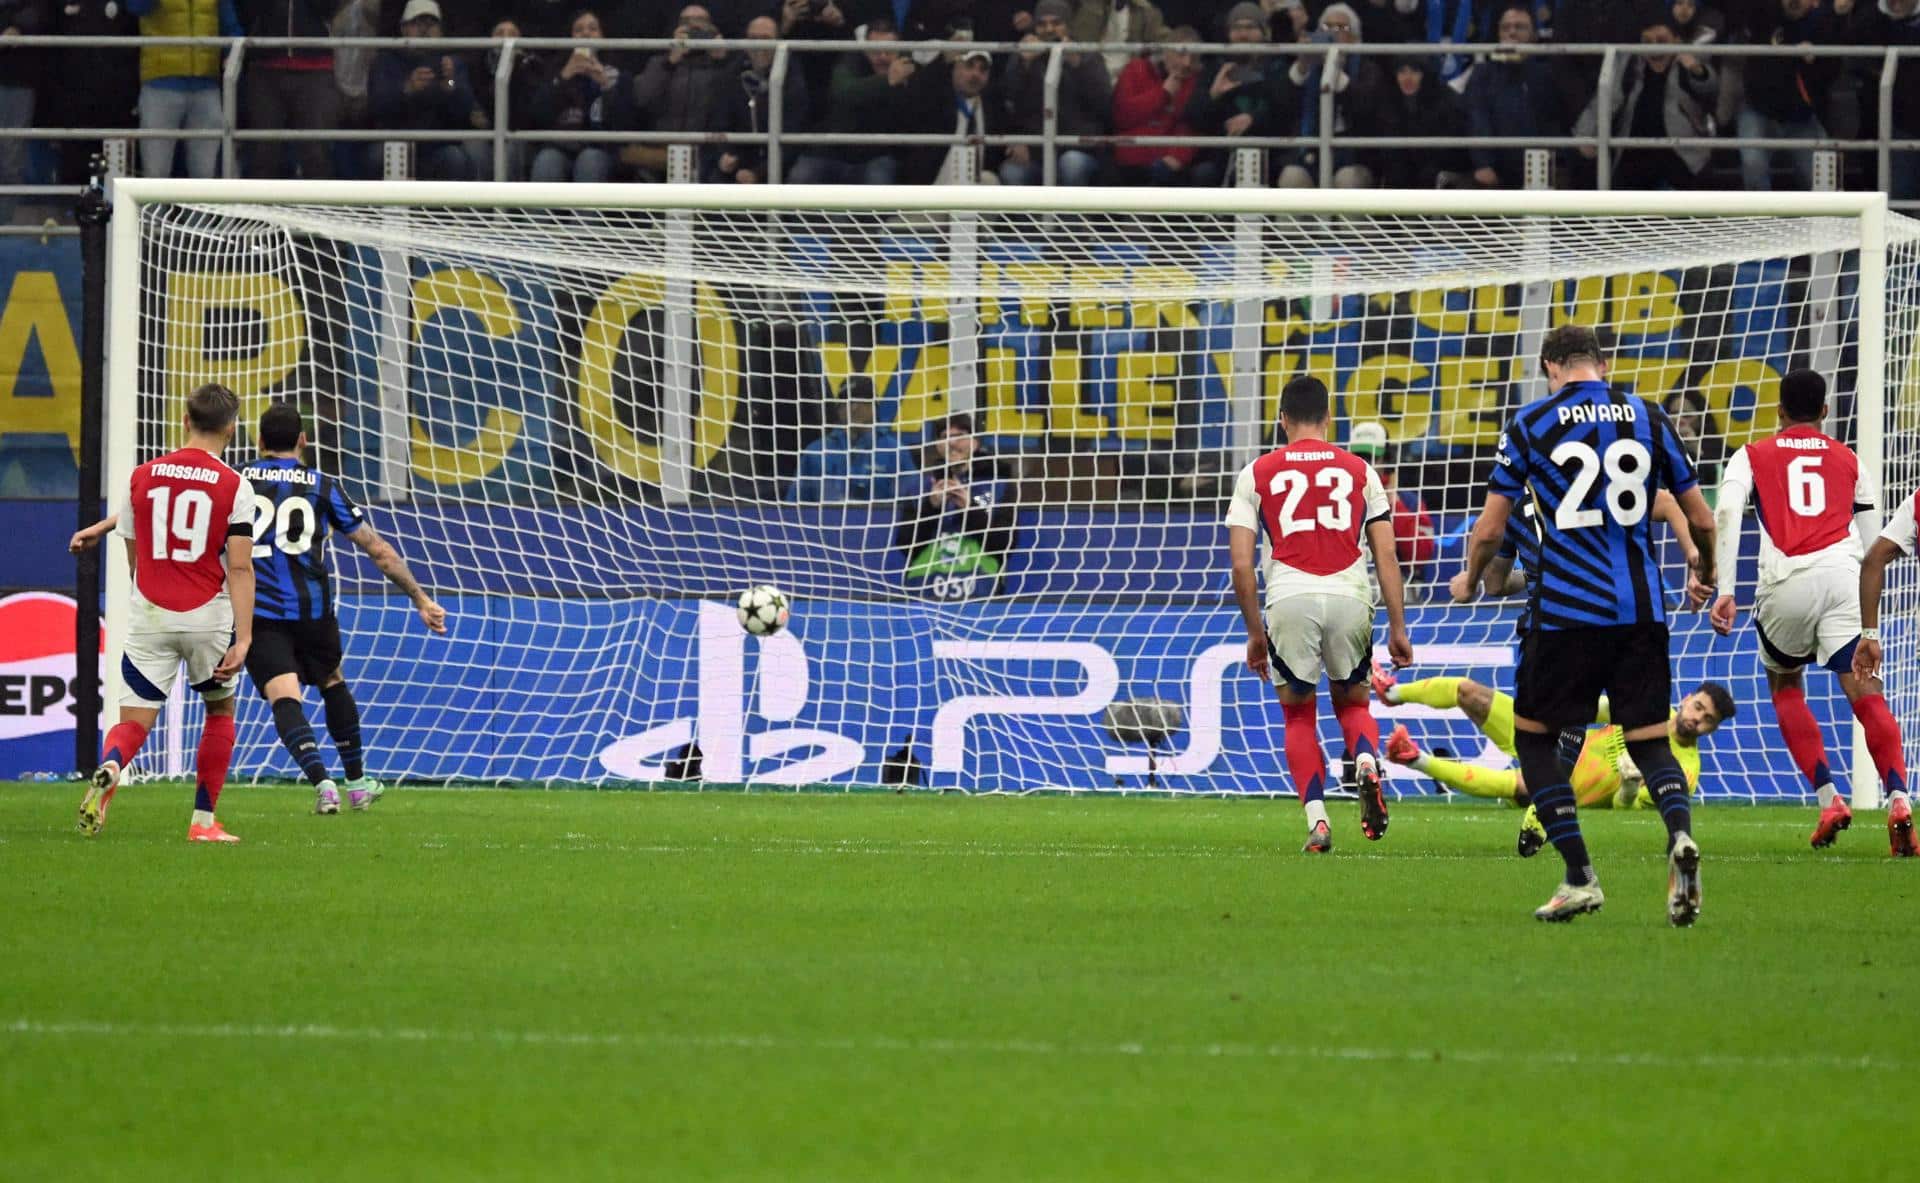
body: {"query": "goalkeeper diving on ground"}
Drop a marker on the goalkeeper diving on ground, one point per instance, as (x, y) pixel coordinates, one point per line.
(1604, 775)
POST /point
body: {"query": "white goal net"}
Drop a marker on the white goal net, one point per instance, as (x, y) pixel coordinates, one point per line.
(982, 439)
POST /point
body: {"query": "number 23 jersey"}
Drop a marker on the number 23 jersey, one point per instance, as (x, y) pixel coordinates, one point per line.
(180, 511)
(1593, 459)
(1314, 500)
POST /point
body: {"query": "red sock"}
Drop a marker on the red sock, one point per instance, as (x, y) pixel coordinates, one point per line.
(1304, 758)
(1802, 733)
(216, 752)
(123, 743)
(1883, 741)
(1358, 726)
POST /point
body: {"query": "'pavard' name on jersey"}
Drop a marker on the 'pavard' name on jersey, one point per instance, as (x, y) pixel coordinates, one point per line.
(1592, 459)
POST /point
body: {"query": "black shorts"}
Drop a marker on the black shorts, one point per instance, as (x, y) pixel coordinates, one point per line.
(1563, 673)
(309, 648)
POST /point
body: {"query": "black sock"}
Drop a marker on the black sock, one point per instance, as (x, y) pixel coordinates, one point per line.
(1553, 800)
(343, 724)
(290, 720)
(1665, 782)
(1573, 740)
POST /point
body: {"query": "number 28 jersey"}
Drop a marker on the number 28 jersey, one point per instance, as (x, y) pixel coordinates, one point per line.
(294, 507)
(1314, 501)
(1593, 459)
(180, 511)
(1806, 487)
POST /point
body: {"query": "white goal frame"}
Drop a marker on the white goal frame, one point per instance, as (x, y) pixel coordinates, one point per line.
(131, 195)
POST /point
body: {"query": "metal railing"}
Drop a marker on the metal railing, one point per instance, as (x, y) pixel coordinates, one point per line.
(1049, 139)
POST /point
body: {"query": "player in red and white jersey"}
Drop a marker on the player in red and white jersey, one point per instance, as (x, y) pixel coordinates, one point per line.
(1316, 502)
(1897, 539)
(1815, 508)
(188, 526)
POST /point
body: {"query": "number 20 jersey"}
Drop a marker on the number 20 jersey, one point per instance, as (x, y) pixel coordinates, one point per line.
(1806, 488)
(1314, 501)
(295, 507)
(180, 510)
(1593, 459)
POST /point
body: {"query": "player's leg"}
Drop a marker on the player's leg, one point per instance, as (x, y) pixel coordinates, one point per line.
(1839, 634)
(321, 650)
(273, 663)
(148, 665)
(1559, 678)
(1474, 780)
(1442, 693)
(1786, 620)
(215, 754)
(1347, 653)
(1293, 638)
(1641, 688)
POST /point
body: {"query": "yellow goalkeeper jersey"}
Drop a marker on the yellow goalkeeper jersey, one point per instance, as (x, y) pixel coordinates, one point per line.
(1596, 775)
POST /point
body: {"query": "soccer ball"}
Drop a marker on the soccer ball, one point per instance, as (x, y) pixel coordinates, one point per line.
(763, 610)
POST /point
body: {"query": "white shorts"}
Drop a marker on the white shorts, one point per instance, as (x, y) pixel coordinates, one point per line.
(1807, 617)
(1316, 633)
(151, 661)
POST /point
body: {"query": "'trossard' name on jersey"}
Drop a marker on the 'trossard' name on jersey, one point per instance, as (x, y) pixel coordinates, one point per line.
(1799, 443)
(298, 476)
(187, 472)
(1599, 413)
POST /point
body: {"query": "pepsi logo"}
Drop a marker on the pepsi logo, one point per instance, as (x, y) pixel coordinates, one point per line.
(37, 684)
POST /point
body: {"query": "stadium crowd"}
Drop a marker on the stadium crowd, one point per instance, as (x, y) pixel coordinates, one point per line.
(1462, 82)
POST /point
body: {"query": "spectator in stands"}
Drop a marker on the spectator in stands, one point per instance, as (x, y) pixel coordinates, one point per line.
(1897, 22)
(1358, 92)
(1693, 423)
(526, 76)
(1594, 22)
(353, 65)
(857, 462)
(290, 88)
(1241, 96)
(1085, 100)
(113, 79)
(919, 20)
(871, 93)
(1697, 24)
(1510, 94)
(804, 20)
(747, 165)
(180, 87)
(1450, 27)
(1287, 20)
(952, 97)
(419, 90)
(1785, 95)
(1419, 104)
(688, 89)
(18, 18)
(956, 517)
(1414, 540)
(576, 98)
(1117, 20)
(1659, 95)
(1151, 99)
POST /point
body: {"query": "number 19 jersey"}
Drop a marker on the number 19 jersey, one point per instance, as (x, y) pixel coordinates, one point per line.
(295, 507)
(1314, 501)
(1593, 459)
(180, 511)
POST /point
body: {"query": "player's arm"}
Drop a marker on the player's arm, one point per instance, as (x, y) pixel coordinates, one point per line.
(1736, 484)
(240, 591)
(92, 534)
(394, 567)
(1242, 544)
(1706, 568)
(1483, 545)
(1896, 540)
(1667, 509)
(1393, 589)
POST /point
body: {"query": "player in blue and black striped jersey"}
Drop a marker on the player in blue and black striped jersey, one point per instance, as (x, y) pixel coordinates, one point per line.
(296, 635)
(1593, 460)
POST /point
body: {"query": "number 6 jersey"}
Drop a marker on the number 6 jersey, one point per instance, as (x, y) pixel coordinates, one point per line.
(1314, 500)
(1593, 459)
(1807, 488)
(180, 511)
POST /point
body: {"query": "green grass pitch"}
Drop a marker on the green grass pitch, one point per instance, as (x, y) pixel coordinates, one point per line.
(577, 985)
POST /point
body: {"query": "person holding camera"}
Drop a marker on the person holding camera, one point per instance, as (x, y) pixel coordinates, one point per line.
(418, 90)
(578, 97)
(689, 88)
(1244, 96)
(1084, 102)
(1151, 99)
(1358, 93)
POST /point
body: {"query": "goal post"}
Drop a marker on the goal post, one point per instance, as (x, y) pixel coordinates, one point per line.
(981, 435)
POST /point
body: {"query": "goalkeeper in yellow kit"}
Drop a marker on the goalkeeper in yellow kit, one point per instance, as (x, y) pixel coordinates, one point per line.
(1604, 776)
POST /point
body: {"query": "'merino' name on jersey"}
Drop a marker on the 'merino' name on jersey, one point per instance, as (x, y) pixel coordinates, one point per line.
(1592, 459)
(295, 508)
(1314, 501)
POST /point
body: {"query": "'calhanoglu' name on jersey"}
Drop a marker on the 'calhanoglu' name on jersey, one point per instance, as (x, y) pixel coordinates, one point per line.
(297, 476)
(1600, 413)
